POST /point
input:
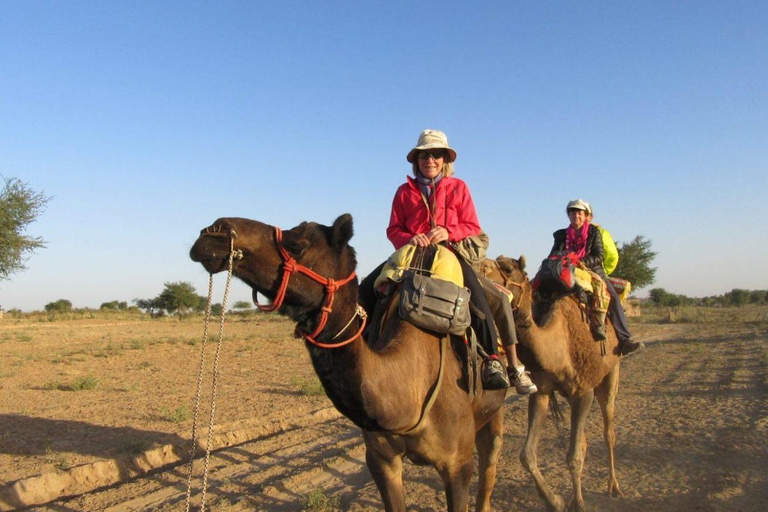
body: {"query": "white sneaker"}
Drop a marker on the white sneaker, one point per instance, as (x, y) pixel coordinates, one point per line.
(523, 383)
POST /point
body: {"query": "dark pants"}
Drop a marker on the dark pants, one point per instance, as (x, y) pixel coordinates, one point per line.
(616, 313)
(366, 296)
(485, 329)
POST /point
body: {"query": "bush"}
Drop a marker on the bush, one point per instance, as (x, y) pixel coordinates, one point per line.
(318, 501)
(59, 306)
(82, 383)
(308, 387)
(177, 415)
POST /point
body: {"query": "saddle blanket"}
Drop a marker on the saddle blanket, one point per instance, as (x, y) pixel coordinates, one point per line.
(445, 266)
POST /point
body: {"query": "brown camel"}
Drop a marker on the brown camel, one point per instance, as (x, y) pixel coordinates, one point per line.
(562, 356)
(385, 389)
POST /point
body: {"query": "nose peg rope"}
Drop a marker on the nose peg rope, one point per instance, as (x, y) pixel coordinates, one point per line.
(232, 255)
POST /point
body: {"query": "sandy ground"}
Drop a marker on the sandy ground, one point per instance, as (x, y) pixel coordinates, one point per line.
(692, 423)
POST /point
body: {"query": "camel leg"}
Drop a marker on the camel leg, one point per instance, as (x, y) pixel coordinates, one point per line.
(538, 403)
(385, 462)
(606, 396)
(577, 451)
(456, 478)
(488, 441)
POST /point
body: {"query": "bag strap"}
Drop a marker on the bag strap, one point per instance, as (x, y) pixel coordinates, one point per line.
(435, 389)
(430, 206)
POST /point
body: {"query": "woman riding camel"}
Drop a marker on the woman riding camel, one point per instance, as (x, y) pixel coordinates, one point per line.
(433, 207)
(585, 242)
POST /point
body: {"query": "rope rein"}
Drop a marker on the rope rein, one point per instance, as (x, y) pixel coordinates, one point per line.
(214, 382)
(520, 285)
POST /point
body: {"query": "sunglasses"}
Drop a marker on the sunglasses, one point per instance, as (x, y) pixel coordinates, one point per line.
(574, 210)
(437, 154)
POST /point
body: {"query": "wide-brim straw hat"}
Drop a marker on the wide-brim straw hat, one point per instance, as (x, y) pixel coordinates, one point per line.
(431, 139)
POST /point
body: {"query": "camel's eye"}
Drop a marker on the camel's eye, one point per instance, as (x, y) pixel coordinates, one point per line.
(296, 248)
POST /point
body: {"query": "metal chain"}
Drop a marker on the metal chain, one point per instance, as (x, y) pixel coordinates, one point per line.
(213, 384)
(193, 447)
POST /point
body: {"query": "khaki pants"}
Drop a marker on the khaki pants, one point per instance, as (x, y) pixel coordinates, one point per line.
(501, 309)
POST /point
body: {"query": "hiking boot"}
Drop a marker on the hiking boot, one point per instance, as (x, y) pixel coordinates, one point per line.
(598, 331)
(631, 346)
(522, 382)
(494, 376)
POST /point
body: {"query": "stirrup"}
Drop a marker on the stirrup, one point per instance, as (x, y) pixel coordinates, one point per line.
(494, 376)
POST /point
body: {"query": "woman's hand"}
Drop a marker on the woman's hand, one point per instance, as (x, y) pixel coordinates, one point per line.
(438, 234)
(420, 240)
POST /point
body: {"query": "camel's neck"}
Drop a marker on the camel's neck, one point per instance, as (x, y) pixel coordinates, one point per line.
(378, 390)
(547, 344)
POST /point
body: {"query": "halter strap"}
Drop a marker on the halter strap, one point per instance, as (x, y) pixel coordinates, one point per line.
(290, 265)
(520, 285)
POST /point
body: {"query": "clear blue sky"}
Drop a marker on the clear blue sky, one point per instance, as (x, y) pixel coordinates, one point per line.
(148, 120)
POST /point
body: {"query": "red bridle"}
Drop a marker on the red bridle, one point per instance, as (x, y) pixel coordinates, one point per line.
(290, 265)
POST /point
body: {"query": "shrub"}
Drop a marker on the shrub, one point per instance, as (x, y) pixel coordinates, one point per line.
(308, 387)
(59, 306)
(138, 344)
(177, 415)
(318, 501)
(82, 383)
(54, 384)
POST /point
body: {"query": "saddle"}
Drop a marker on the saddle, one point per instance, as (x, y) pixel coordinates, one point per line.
(559, 276)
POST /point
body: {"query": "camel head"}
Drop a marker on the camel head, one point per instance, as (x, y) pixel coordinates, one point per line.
(514, 277)
(259, 261)
(513, 268)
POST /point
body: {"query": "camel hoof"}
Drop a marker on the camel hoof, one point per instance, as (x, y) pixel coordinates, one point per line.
(557, 504)
(614, 490)
(576, 506)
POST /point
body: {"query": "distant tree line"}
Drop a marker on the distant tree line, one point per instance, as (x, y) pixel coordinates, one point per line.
(65, 306)
(114, 305)
(735, 297)
(181, 298)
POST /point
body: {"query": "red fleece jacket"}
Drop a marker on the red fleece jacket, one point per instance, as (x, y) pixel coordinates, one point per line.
(455, 211)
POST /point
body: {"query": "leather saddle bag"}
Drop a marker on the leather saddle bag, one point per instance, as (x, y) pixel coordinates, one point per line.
(434, 304)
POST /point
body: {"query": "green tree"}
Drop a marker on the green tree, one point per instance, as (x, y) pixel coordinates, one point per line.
(117, 305)
(151, 306)
(738, 297)
(19, 207)
(59, 306)
(635, 259)
(659, 296)
(241, 305)
(180, 298)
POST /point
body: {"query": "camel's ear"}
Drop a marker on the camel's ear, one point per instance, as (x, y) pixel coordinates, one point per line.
(342, 230)
(521, 261)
